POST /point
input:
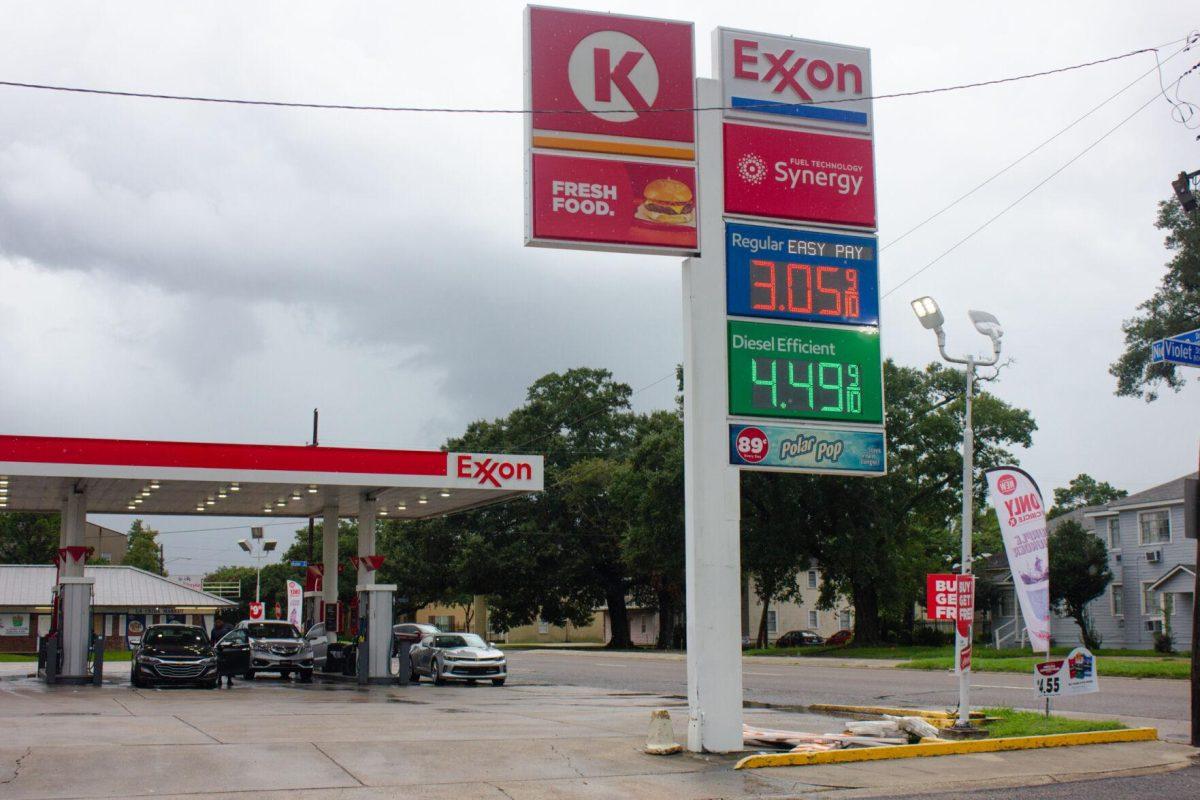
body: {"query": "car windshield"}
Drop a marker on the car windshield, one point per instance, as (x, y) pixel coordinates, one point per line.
(458, 640)
(272, 630)
(175, 636)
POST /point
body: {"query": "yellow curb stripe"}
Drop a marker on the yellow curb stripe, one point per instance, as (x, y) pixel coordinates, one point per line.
(947, 748)
(619, 148)
(827, 708)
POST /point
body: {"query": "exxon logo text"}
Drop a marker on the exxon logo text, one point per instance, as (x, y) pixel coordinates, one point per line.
(490, 471)
(791, 72)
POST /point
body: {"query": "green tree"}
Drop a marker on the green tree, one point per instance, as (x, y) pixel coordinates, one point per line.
(775, 542)
(1079, 573)
(28, 538)
(1173, 309)
(649, 486)
(142, 551)
(1082, 491)
(876, 538)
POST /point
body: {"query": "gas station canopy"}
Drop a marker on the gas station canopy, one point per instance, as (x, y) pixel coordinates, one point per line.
(124, 476)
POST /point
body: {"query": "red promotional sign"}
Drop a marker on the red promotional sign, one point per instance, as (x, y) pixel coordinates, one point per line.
(314, 578)
(966, 605)
(624, 72)
(795, 175)
(256, 611)
(643, 205)
(964, 658)
(941, 596)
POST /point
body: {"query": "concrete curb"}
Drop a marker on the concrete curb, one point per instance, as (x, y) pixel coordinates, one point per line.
(947, 748)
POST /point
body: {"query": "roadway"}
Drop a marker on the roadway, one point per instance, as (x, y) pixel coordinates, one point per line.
(804, 681)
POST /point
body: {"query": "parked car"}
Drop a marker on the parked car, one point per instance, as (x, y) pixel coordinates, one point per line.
(419, 628)
(174, 654)
(798, 639)
(275, 646)
(841, 637)
(457, 656)
(319, 643)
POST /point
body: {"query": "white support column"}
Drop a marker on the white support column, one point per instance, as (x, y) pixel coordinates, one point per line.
(366, 537)
(75, 591)
(712, 499)
(329, 558)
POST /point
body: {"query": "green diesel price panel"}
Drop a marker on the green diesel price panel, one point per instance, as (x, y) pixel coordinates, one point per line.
(805, 372)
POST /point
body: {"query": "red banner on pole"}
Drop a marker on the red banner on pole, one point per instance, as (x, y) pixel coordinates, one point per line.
(966, 608)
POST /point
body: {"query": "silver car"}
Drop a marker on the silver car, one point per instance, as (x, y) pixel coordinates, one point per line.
(459, 657)
(277, 646)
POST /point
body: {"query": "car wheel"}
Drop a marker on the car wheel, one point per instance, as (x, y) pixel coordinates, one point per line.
(306, 676)
(248, 675)
(497, 681)
(436, 674)
(414, 677)
(213, 684)
(136, 682)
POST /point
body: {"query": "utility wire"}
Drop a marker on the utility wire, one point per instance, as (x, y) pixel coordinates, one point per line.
(1035, 187)
(1157, 67)
(449, 110)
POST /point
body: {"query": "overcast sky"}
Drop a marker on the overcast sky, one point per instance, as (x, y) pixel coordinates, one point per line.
(207, 272)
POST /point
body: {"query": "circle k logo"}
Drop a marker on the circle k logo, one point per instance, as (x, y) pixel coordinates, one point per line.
(752, 168)
(613, 76)
(1007, 484)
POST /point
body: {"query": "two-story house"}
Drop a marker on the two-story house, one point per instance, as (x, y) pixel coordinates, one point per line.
(1153, 564)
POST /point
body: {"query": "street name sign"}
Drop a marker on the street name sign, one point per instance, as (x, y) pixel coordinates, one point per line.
(1176, 350)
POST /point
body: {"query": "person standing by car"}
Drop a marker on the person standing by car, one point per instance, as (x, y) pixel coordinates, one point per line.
(219, 629)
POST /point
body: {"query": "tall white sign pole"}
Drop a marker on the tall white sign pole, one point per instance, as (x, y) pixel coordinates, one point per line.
(712, 502)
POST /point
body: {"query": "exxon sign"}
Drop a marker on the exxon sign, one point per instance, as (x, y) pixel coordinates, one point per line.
(795, 81)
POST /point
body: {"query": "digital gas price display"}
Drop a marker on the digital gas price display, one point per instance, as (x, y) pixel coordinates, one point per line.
(796, 274)
(805, 372)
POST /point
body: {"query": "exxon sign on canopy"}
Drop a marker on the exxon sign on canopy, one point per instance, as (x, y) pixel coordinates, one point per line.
(795, 81)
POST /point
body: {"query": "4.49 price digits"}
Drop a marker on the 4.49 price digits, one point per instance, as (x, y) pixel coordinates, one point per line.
(804, 289)
(806, 386)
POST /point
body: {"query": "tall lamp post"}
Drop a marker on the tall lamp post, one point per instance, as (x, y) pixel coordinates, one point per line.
(258, 554)
(931, 318)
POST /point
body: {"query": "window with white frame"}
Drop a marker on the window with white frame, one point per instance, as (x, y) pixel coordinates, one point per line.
(813, 619)
(1117, 599)
(812, 579)
(543, 626)
(1114, 532)
(1149, 599)
(772, 622)
(1155, 526)
(845, 622)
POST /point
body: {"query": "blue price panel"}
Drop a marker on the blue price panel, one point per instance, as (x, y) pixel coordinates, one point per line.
(796, 274)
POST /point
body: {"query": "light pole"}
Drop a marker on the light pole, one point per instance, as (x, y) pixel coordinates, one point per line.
(931, 318)
(258, 554)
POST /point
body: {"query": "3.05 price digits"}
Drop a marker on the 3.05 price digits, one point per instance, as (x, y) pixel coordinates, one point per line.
(806, 386)
(804, 289)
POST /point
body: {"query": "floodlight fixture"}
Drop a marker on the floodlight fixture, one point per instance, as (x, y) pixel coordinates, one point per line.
(242, 543)
(269, 545)
(987, 324)
(927, 311)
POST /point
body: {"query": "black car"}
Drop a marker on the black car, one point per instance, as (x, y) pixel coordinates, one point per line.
(798, 639)
(174, 654)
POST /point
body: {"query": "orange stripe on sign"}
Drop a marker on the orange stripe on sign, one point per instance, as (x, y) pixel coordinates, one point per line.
(620, 148)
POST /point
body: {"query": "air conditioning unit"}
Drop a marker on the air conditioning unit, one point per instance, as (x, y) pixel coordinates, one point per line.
(1153, 624)
(1154, 556)
(1118, 558)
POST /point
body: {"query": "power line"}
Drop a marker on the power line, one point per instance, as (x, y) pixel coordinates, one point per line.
(450, 110)
(1157, 67)
(1035, 187)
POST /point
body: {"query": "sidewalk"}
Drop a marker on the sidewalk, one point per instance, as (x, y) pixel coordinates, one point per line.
(276, 739)
(816, 661)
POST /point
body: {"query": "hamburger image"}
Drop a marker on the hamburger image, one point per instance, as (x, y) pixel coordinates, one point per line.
(667, 202)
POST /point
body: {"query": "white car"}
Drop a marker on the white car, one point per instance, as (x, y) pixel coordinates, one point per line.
(459, 657)
(277, 646)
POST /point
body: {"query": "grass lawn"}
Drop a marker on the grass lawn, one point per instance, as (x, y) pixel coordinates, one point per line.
(109, 655)
(1033, 723)
(1114, 667)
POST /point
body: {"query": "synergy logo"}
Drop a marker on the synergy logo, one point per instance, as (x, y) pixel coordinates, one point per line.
(613, 76)
(752, 168)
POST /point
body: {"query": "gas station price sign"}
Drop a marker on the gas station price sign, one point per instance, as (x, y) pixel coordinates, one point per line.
(803, 275)
(805, 372)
